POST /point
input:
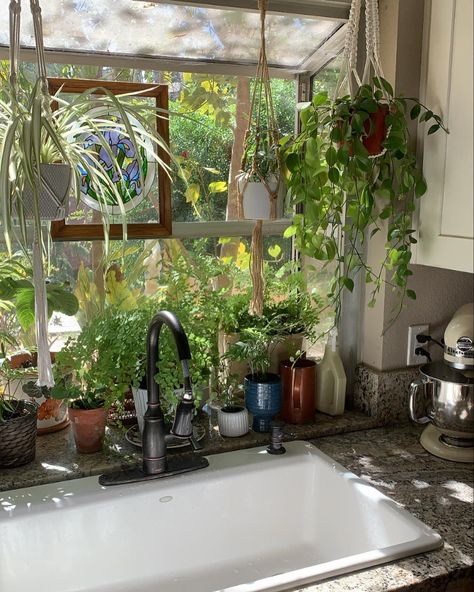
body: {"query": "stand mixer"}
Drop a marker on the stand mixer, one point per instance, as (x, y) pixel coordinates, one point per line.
(449, 388)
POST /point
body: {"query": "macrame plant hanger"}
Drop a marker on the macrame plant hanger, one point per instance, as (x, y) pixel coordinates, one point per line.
(45, 373)
(261, 111)
(372, 67)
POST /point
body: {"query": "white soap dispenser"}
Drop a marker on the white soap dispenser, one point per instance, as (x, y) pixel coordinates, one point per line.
(331, 379)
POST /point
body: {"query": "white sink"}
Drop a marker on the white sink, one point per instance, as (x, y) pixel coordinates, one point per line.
(250, 521)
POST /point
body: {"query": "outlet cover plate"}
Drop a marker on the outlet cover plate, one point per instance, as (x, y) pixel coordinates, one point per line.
(413, 331)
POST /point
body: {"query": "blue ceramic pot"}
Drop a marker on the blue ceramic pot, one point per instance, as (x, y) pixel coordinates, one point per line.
(263, 399)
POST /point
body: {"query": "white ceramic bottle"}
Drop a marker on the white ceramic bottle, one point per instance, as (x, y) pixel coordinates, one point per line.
(331, 379)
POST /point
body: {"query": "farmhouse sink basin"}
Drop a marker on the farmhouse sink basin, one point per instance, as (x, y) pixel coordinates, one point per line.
(249, 522)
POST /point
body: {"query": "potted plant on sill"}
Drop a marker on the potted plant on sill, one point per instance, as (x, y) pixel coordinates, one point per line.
(87, 411)
(262, 388)
(261, 188)
(348, 182)
(232, 415)
(17, 426)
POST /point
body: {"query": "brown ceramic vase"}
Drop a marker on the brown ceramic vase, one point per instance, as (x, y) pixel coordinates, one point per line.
(88, 428)
(298, 381)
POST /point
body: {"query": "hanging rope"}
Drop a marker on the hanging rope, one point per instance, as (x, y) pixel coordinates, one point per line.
(262, 130)
(45, 372)
(372, 66)
(261, 135)
(256, 271)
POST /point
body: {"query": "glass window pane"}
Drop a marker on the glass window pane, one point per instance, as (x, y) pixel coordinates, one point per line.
(326, 79)
(148, 29)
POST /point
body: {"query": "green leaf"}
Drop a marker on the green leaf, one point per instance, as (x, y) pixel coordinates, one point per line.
(386, 85)
(348, 283)
(217, 186)
(427, 115)
(290, 231)
(274, 251)
(320, 99)
(292, 162)
(25, 307)
(411, 294)
(331, 156)
(360, 149)
(420, 187)
(192, 193)
(433, 129)
(333, 175)
(212, 170)
(415, 111)
(61, 300)
(336, 134)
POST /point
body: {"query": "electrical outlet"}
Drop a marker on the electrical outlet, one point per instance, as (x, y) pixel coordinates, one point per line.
(414, 330)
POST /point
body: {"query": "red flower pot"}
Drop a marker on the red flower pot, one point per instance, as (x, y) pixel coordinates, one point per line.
(376, 130)
(376, 125)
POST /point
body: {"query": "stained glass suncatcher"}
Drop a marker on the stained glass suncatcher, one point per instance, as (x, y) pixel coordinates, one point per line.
(131, 187)
(155, 195)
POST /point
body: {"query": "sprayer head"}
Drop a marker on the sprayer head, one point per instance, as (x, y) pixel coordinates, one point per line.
(182, 425)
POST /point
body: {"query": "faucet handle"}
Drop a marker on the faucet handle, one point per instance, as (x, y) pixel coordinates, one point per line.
(182, 424)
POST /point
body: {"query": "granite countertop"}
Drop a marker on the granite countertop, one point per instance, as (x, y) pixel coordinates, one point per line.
(57, 459)
(438, 492)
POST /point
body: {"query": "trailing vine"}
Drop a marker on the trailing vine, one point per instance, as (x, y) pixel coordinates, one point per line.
(347, 189)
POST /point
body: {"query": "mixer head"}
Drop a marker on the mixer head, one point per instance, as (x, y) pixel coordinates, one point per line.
(459, 339)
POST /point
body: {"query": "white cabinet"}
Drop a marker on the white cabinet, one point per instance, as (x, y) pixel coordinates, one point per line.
(446, 215)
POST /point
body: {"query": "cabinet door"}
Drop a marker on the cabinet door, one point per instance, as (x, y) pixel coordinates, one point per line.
(446, 217)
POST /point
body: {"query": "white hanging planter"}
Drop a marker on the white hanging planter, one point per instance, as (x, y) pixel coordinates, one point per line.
(54, 193)
(256, 201)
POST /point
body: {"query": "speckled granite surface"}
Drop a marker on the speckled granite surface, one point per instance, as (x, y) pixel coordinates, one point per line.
(383, 395)
(438, 492)
(57, 460)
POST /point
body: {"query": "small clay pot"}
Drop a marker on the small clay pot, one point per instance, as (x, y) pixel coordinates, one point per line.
(88, 428)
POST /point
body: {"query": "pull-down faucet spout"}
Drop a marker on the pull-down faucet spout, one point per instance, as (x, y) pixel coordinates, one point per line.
(155, 462)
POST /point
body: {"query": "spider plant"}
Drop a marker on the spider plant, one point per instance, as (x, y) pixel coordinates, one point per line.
(31, 134)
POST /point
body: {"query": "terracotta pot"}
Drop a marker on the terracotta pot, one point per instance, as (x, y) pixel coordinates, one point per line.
(88, 428)
(376, 129)
(376, 123)
(298, 386)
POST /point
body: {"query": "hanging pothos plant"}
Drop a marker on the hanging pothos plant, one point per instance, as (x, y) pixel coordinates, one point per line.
(352, 173)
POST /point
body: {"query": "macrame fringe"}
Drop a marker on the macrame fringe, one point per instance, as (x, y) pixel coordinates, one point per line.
(256, 270)
(45, 370)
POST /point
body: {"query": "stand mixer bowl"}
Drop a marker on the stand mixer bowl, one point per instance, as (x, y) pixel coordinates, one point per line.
(450, 397)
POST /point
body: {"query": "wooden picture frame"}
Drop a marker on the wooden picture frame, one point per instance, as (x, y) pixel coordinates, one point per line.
(60, 230)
